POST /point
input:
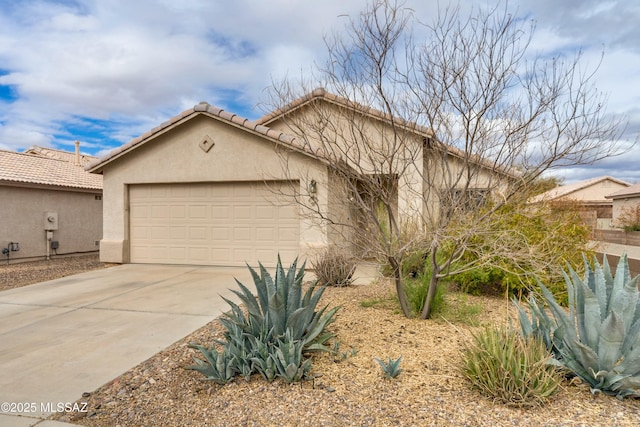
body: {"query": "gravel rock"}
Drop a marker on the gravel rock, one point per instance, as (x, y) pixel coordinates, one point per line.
(19, 274)
(346, 390)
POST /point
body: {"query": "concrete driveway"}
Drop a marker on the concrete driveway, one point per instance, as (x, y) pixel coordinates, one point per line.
(64, 337)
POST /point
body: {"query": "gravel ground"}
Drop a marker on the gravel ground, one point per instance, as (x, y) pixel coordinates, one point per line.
(349, 389)
(19, 274)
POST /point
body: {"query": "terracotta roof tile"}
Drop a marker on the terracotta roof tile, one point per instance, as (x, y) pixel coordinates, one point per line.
(29, 168)
(260, 127)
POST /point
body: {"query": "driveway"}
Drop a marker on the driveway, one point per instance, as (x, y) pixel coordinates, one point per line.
(64, 337)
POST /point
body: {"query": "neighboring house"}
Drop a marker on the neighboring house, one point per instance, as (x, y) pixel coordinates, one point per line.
(590, 197)
(625, 199)
(210, 187)
(50, 204)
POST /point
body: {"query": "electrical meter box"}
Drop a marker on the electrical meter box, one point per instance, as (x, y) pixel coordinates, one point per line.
(50, 221)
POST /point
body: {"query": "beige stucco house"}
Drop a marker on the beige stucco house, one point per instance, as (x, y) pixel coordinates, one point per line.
(627, 199)
(210, 187)
(204, 188)
(50, 205)
(591, 198)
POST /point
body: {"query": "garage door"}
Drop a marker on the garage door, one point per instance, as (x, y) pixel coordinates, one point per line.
(212, 224)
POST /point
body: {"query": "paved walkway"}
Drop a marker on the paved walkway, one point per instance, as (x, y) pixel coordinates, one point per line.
(633, 252)
(61, 338)
(615, 250)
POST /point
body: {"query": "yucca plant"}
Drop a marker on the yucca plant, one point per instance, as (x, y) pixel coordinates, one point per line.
(509, 368)
(273, 331)
(598, 339)
(391, 368)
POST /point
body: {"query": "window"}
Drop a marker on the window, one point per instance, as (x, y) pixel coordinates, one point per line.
(458, 201)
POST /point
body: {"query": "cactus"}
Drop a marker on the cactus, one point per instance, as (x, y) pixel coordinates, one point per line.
(598, 339)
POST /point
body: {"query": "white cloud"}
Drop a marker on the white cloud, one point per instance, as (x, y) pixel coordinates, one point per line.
(130, 65)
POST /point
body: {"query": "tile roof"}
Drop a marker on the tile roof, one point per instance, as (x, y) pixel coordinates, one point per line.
(632, 191)
(230, 118)
(260, 127)
(565, 190)
(29, 168)
(60, 155)
(322, 94)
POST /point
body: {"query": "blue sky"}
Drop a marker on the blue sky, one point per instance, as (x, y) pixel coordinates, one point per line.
(106, 71)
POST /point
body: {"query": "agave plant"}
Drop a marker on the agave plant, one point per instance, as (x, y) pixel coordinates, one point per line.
(391, 368)
(290, 363)
(281, 306)
(218, 367)
(598, 339)
(274, 331)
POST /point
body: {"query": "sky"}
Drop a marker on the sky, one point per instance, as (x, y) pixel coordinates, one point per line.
(105, 71)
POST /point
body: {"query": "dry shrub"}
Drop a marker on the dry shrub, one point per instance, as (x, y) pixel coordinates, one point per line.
(629, 218)
(334, 267)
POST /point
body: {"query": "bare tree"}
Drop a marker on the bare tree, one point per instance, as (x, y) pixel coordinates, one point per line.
(429, 129)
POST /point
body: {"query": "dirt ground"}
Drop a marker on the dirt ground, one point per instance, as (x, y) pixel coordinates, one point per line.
(349, 387)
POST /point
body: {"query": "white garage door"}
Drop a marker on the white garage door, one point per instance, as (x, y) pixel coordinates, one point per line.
(212, 224)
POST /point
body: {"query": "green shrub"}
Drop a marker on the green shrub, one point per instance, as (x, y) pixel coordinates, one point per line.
(417, 288)
(510, 369)
(461, 311)
(598, 339)
(274, 331)
(412, 265)
(548, 232)
(334, 267)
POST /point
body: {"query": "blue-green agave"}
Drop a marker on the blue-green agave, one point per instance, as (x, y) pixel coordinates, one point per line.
(391, 368)
(272, 334)
(598, 338)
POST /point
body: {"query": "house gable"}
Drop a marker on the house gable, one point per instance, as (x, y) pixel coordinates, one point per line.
(203, 109)
(592, 191)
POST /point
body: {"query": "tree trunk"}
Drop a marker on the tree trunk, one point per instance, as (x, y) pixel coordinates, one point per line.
(402, 296)
(433, 283)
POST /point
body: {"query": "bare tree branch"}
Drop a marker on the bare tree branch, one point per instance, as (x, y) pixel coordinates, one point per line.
(430, 128)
